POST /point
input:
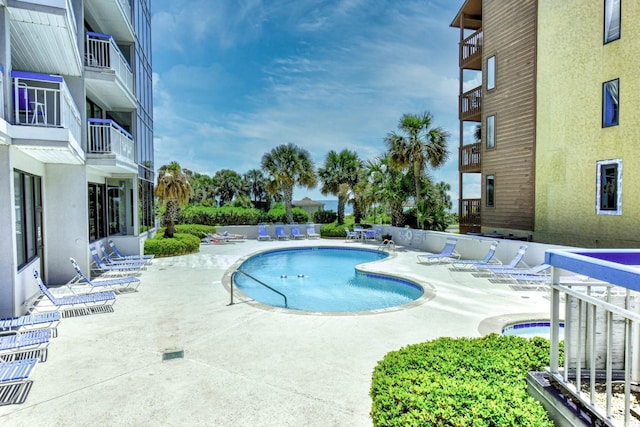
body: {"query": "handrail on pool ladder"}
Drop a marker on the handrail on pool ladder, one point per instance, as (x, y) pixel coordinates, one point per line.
(260, 282)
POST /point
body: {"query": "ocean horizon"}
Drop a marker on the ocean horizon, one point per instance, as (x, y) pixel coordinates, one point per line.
(332, 205)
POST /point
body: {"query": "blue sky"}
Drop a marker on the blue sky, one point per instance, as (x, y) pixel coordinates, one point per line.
(235, 78)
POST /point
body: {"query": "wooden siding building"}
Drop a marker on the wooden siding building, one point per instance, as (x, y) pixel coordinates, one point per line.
(498, 49)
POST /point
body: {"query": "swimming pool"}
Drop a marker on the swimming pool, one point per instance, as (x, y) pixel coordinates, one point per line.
(532, 329)
(323, 279)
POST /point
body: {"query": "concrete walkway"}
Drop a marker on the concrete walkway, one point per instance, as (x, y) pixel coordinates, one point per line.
(243, 365)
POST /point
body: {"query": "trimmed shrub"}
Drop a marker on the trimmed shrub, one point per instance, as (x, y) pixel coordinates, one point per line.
(225, 215)
(278, 214)
(324, 217)
(180, 244)
(460, 382)
(333, 230)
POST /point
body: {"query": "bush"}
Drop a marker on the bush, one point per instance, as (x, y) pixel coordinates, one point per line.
(278, 214)
(324, 217)
(459, 382)
(333, 230)
(225, 215)
(180, 244)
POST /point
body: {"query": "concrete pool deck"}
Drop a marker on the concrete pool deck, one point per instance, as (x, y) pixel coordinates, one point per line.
(242, 364)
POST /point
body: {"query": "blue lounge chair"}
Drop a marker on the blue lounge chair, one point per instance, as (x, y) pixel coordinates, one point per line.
(110, 261)
(295, 231)
(49, 320)
(84, 304)
(311, 231)
(447, 254)
(117, 284)
(473, 263)
(505, 268)
(20, 345)
(263, 234)
(100, 267)
(351, 235)
(118, 255)
(280, 233)
(14, 380)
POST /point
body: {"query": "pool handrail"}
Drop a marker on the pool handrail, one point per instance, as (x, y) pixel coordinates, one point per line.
(286, 305)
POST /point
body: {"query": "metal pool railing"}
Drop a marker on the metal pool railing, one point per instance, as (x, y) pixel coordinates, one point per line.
(286, 304)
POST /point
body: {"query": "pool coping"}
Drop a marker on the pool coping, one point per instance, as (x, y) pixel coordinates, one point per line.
(428, 290)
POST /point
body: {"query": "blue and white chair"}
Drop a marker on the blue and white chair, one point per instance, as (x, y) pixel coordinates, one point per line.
(263, 234)
(295, 231)
(280, 233)
(118, 255)
(447, 254)
(14, 380)
(117, 284)
(48, 320)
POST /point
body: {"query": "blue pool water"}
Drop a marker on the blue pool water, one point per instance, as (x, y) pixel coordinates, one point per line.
(323, 279)
(532, 329)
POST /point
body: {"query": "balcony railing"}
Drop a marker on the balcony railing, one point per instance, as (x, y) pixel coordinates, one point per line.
(471, 51)
(44, 100)
(107, 137)
(470, 160)
(103, 52)
(601, 334)
(469, 215)
(471, 104)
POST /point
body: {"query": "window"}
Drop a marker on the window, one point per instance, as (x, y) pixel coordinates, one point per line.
(28, 206)
(490, 191)
(97, 217)
(491, 72)
(609, 191)
(610, 103)
(611, 20)
(491, 132)
(119, 203)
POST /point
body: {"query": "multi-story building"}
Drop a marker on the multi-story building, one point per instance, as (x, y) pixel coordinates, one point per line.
(76, 136)
(497, 112)
(555, 105)
(588, 125)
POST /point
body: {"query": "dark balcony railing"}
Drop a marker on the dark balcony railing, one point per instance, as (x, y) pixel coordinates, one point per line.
(471, 104)
(470, 160)
(471, 51)
(469, 215)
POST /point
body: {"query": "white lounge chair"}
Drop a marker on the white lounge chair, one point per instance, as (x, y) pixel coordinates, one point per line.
(447, 254)
(311, 231)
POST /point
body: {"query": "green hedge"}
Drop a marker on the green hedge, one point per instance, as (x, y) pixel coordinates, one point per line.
(324, 217)
(180, 244)
(278, 214)
(333, 230)
(460, 382)
(221, 216)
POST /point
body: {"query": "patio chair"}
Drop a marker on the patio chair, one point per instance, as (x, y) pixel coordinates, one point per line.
(311, 231)
(29, 322)
(108, 260)
(83, 304)
(280, 233)
(21, 345)
(117, 284)
(295, 231)
(14, 380)
(369, 235)
(505, 268)
(263, 234)
(213, 239)
(98, 266)
(33, 111)
(118, 255)
(447, 254)
(470, 264)
(351, 235)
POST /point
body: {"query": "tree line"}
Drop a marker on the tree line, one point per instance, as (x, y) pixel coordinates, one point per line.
(390, 183)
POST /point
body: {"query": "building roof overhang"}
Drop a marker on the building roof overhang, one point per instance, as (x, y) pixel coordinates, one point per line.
(471, 11)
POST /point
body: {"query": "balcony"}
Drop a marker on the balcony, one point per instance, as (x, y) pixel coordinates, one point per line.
(471, 105)
(469, 216)
(471, 52)
(45, 118)
(470, 159)
(108, 76)
(44, 37)
(601, 333)
(112, 16)
(110, 147)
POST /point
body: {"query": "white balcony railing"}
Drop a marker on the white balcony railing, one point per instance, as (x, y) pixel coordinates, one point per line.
(44, 100)
(601, 335)
(107, 137)
(103, 52)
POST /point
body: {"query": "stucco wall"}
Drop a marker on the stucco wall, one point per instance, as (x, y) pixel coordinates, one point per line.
(573, 63)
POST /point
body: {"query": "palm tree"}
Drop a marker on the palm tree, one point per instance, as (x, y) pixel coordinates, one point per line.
(173, 189)
(422, 144)
(338, 176)
(228, 183)
(286, 166)
(256, 186)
